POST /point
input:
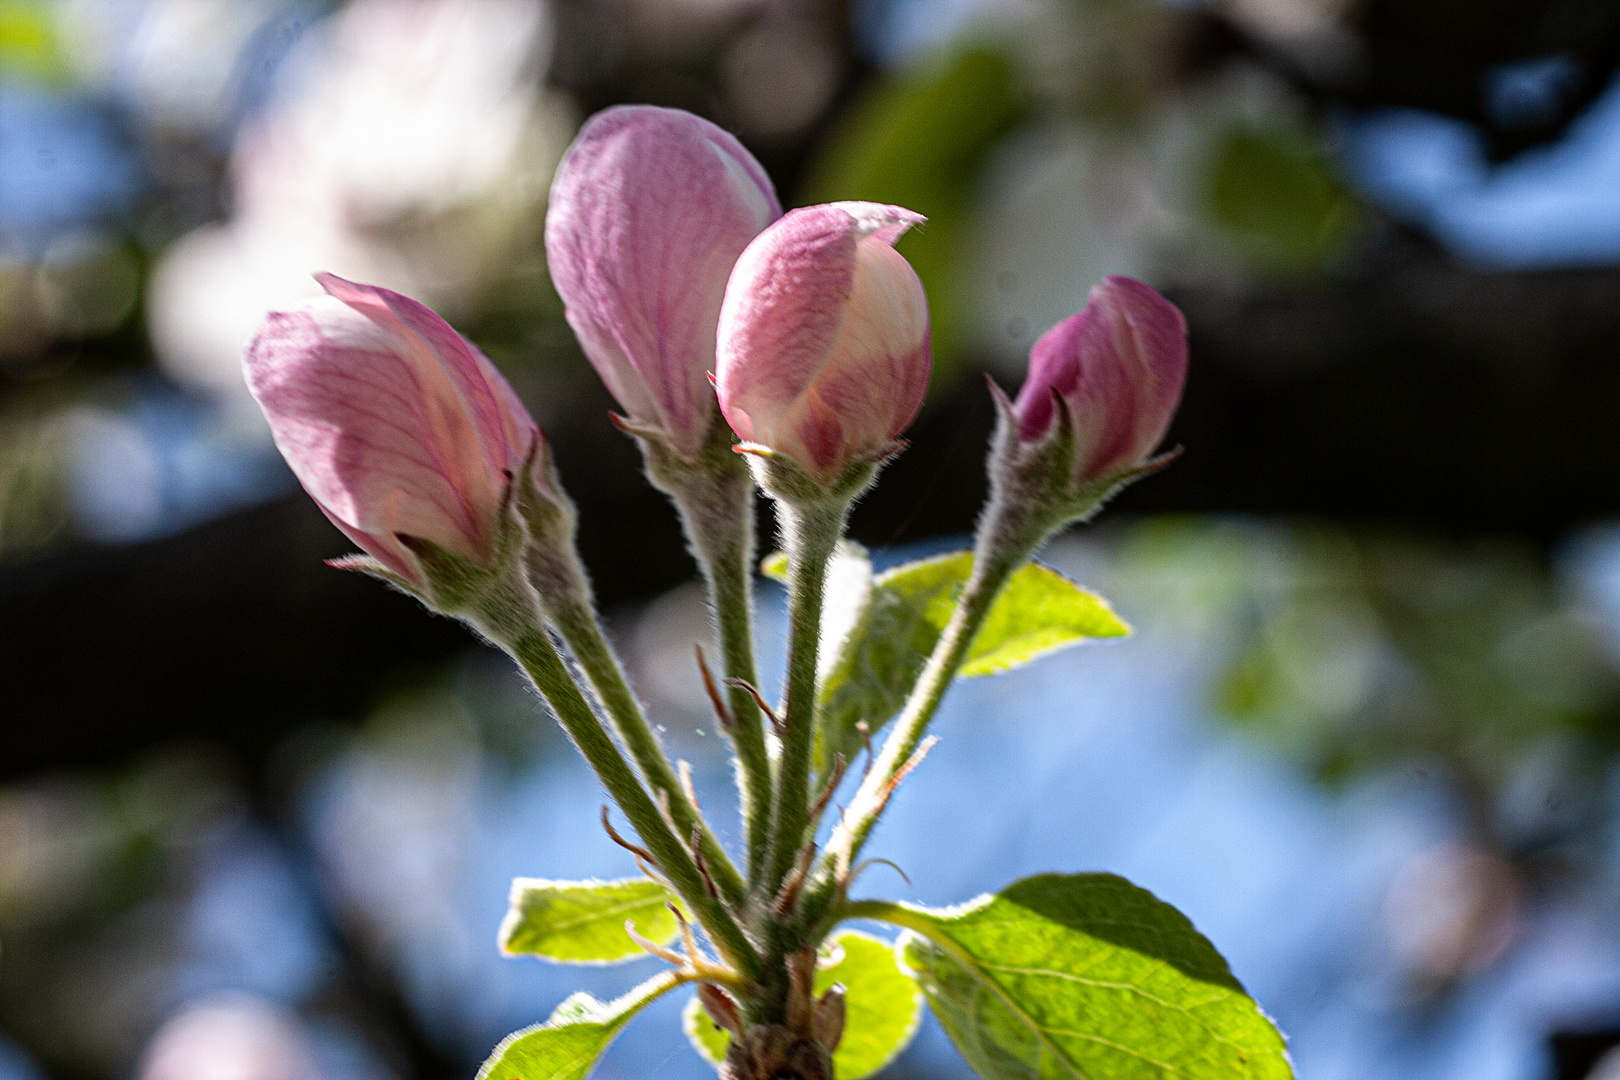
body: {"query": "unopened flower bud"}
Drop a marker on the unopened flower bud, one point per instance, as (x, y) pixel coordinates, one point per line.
(823, 343)
(1118, 366)
(398, 427)
(649, 211)
(1103, 386)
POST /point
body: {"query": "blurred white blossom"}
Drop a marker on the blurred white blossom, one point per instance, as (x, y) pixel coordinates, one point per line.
(229, 1038)
(411, 147)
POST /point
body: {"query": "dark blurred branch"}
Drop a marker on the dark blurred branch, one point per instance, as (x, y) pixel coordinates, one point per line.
(1441, 55)
(1419, 392)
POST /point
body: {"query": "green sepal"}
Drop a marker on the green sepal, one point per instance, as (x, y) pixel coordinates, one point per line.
(583, 922)
(567, 1045)
(365, 564)
(784, 479)
(1037, 612)
(1033, 488)
(882, 1001)
(1067, 976)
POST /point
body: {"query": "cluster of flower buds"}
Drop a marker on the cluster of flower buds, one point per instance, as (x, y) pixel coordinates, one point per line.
(711, 317)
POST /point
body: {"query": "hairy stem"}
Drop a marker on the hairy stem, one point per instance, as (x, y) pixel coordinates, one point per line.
(717, 513)
(812, 529)
(532, 647)
(576, 621)
(1007, 538)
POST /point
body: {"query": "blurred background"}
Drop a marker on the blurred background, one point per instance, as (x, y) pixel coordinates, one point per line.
(258, 818)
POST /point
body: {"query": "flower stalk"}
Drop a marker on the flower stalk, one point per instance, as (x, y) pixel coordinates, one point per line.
(714, 495)
(532, 648)
(811, 532)
(577, 624)
(670, 252)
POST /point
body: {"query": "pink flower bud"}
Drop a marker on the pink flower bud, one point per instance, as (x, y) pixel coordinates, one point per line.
(394, 423)
(824, 346)
(1119, 365)
(649, 211)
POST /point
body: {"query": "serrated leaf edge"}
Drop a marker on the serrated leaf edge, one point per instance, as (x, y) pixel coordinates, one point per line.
(581, 1007)
(514, 918)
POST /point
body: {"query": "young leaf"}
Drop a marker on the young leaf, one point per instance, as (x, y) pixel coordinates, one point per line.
(882, 1002)
(1063, 977)
(582, 922)
(1038, 611)
(566, 1046)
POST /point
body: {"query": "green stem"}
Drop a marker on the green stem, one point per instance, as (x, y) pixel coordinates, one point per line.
(883, 911)
(812, 529)
(1006, 541)
(575, 619)
(533, 649)
(716, 505)
(936, 678)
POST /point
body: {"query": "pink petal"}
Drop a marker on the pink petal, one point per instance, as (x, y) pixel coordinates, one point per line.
(824, 345)
(1120, 365)
(391, 421)
(649, 211)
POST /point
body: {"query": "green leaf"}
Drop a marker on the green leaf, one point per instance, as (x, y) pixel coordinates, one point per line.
(882, 1003)
(775, 566)
(1273, 189)
(1039, 611)
(566, 1046)
(582, 922)
(1069, 976)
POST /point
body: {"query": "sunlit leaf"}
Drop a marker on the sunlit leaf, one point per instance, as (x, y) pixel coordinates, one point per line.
(1038, 611)
(566, 1046)
(582, 922)
(1063, 977)
(882, 1001)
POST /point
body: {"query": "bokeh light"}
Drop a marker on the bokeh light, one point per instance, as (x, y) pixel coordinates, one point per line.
(256, 823)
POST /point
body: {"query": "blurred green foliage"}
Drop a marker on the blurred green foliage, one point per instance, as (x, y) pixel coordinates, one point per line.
(33, 506)
(1355, 650)
(1273, 191)
(30, 47)
(90, 885)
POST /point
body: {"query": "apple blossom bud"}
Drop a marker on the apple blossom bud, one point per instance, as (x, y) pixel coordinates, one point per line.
(823, 344)
(649, 211)
(1119, 366)
(397, 426)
